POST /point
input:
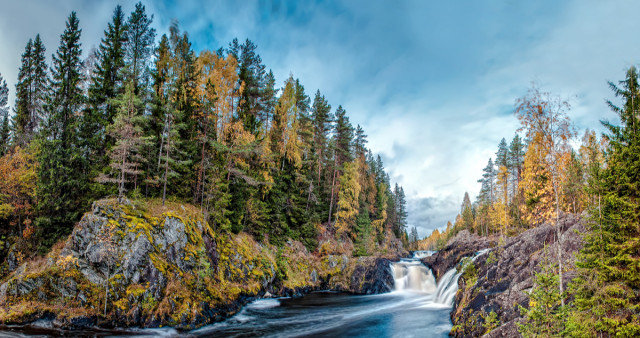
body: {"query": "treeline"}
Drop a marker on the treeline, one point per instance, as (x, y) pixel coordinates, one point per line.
(141, 119)
(533, 180)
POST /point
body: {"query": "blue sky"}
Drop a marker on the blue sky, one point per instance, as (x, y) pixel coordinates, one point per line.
(433, 83)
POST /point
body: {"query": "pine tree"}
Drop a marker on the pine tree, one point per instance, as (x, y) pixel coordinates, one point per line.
(251, 73)
(488, 181)
(31, 92)
(106, 84)
(61, 174)
(607, 290)
(466, 210)
(400, 210)
(139, 47)
(268, 100)
(545, 316)
(4, 113)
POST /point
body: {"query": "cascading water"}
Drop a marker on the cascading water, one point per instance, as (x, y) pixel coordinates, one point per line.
(422, 253)
(411, 275)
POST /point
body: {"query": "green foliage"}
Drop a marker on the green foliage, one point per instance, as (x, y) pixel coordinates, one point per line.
(491, 322)
(606, 292)
(544, 316)
(62, 183)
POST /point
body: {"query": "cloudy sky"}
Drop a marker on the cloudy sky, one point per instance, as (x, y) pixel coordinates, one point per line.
(433, 83)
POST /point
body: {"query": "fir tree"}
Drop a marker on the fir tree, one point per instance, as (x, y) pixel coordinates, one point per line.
(4, 113)
(609, 284)
(139, 46)
(62, 181)
(106, 84)
(31, 92)
(545, 316)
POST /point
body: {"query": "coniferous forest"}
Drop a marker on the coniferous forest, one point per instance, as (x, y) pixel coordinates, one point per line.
(145, 117)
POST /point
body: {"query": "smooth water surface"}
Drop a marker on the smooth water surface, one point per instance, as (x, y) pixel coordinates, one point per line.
(322, 314)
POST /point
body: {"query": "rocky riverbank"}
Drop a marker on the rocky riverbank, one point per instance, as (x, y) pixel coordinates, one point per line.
(165, 266)
(500, 280)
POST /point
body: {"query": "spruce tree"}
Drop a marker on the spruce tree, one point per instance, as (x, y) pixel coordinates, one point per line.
(139, 47)
(251, 73)
(31, 92)
(62, 171)
(106, 84)
(4, 114)
(608, 291)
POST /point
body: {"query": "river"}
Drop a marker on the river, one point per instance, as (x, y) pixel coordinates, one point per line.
(417, 307)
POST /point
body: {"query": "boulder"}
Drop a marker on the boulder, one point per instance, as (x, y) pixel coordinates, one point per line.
(505, 275)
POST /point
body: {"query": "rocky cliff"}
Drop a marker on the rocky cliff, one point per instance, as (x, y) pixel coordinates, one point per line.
(152, 265)
(499, 281)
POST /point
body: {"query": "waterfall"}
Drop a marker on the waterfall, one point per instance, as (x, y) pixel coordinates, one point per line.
(448, 286)
(411, 275)
(422, 253)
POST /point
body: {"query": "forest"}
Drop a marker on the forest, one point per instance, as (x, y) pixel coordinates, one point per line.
(552, 171)
(150, 119)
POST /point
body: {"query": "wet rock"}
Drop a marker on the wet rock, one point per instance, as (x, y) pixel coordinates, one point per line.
(505, 275)
(464, 244)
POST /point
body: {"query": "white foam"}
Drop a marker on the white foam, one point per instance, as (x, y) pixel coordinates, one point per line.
(264, 303)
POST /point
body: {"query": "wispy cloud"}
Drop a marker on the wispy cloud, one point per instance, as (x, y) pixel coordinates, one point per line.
(432, 83)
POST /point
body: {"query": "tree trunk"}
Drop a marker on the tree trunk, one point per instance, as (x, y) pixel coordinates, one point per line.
(559, 236)
(166, 173)
(333, 183)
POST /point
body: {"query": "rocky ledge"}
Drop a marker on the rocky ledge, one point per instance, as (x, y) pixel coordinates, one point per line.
(500, 280)
(149, 265)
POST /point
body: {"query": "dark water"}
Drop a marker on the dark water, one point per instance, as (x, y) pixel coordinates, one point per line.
(320, 314)
(328, 314)
(418, 308)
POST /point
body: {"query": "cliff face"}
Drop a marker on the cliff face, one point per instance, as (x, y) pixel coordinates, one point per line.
(166, 266)
(500, 280)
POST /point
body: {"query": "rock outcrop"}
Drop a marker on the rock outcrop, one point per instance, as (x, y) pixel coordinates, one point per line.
(504, 275)
(164, 266)
(463, 244)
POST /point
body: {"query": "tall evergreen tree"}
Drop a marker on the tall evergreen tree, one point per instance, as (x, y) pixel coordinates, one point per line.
(62, 181)
(251, 73)
(488, 181)
(139, 47)
(127, 128)
(31, 92)
(4, 114)
(609, 288)
(106, 84)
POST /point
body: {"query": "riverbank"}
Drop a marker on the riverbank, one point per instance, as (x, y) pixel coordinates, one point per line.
(494, 286)
(154, 266)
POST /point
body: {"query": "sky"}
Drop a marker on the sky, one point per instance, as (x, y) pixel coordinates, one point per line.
(433, 83)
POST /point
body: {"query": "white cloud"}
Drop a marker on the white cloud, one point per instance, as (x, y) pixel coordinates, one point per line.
(433, 84)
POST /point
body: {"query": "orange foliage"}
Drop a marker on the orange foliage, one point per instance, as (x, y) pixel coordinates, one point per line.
(18, 188)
